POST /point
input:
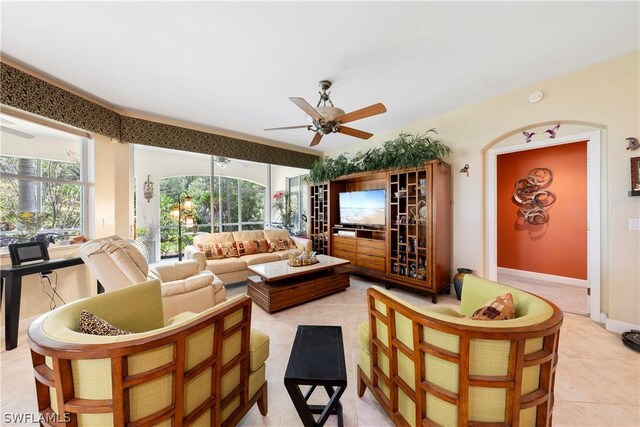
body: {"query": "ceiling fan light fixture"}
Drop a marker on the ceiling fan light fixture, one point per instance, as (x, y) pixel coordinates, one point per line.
(330, 113)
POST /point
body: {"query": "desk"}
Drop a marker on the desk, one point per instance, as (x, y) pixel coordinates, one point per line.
(12, 277)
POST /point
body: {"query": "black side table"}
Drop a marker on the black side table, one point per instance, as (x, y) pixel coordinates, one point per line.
(317, 359)
(12, 278)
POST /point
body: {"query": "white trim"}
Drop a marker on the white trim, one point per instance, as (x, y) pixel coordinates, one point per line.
(619, 327)
(23, 325)
(593, 209)
(571, 281)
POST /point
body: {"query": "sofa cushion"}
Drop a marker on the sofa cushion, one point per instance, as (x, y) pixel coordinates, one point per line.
(260, 258)
(211, 238)
(227, 265)
(275, 234)
(239, 236)
(499, 308)
(258, 349)
(94, 325)
(283, 255)
(181, 286)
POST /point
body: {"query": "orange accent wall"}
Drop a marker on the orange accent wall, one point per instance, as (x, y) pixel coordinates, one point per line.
(558, 247)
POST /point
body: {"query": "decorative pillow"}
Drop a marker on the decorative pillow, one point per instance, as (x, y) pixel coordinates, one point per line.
(499, 308)
(278, 245)
(226, 249)
(247, 247)
(208, 251)
(94, 325)
(291, 243)
(263, 246)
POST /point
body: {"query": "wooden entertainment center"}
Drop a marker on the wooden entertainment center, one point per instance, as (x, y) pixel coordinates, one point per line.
(413, 248)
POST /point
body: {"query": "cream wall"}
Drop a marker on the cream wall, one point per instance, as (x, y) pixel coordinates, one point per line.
(604, 96)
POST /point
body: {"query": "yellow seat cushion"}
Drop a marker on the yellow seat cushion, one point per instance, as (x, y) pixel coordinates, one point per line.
(258, 349)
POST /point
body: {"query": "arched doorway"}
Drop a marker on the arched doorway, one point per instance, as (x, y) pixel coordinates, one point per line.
(593, 177)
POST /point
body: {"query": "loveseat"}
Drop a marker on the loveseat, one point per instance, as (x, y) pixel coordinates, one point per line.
(201, 369)
(435, 366)
(231, 267)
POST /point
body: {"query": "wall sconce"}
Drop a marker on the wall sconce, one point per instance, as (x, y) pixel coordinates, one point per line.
(465, 169)
(147, 189)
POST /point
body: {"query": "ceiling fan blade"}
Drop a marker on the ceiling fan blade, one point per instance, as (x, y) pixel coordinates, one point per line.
(290, 127)
(306, 107)
(362, 113)
(354, 132)
(316, 139)
(17, 133)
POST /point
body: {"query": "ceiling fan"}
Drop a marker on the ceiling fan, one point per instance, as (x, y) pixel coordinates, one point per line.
(329, 119)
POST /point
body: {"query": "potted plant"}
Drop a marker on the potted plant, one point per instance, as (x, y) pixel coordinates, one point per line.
(285, 208)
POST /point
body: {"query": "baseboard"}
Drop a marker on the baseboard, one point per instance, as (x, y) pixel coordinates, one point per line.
(544, 277)
(23, 325)
(618, 327)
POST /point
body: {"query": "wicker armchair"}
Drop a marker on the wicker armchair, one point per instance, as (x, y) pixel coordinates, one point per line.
(201, 369)
(434, 367)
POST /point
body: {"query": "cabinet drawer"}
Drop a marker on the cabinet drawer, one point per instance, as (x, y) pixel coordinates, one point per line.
(351, 256)
(344, 243)
(371, 259)
(375, 247)
(376, 266)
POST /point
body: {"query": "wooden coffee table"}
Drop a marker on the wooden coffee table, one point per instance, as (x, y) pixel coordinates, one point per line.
(277, 286)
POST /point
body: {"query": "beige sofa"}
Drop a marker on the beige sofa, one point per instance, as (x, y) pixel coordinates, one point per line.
(234, 270)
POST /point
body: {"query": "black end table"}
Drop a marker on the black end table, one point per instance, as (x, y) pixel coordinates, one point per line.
(317, 359)
(12, 278)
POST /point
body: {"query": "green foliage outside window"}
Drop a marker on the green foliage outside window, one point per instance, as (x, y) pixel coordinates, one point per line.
(225, 206)
(28, 207)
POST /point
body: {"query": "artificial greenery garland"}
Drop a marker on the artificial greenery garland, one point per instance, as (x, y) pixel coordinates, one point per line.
(406, 150)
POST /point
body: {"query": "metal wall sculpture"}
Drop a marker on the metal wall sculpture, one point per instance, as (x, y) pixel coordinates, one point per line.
(531, 195)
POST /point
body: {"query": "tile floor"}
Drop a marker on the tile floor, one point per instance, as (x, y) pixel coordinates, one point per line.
(570, 299)
(597, 382)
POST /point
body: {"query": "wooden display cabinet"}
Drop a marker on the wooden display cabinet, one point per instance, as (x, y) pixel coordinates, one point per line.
(419, 218)
(319, 218)
(413, 250)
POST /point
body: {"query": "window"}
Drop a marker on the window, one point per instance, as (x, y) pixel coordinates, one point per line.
(299, 191)
(237, 204)
(43, 184)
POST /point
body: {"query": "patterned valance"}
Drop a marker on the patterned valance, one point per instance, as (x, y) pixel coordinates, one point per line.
(26, 92)
(29, 93)
(138, 131)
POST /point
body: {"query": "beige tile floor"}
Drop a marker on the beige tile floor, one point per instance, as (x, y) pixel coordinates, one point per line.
(570, 299)
(597, 382)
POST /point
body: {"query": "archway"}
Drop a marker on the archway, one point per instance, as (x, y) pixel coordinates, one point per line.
(511, 143)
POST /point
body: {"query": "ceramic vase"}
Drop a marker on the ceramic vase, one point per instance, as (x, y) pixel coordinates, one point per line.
(458, 279)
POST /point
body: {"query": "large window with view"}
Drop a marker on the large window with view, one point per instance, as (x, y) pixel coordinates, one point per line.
(223, 195)
(43, 184)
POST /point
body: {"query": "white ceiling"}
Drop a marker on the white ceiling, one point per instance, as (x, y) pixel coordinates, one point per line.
(232, 66)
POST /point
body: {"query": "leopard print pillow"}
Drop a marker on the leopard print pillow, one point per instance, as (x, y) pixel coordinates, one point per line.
(94, 325)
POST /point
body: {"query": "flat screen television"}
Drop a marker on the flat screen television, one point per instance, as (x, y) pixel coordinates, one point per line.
(363, 208)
